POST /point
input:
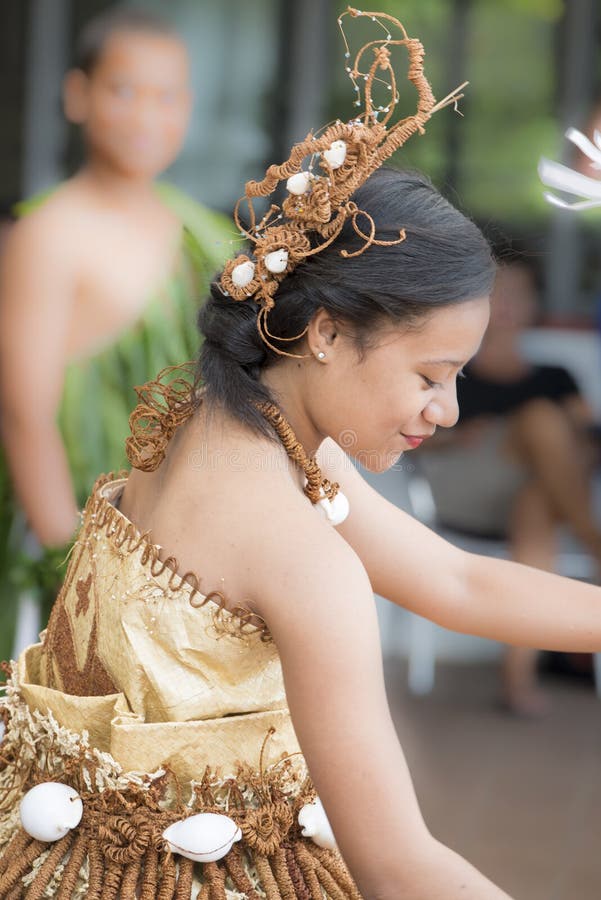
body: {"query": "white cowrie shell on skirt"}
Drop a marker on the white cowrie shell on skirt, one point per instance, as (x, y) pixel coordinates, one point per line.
(50, 810)
(314, 824)
(205, 837)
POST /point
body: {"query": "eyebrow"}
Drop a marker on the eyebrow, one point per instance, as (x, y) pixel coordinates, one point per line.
(442, 362)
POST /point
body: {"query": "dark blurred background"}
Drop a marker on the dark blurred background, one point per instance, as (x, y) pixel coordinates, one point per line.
(267, 71)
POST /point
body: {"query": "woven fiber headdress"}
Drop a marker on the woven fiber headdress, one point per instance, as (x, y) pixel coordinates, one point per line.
(323, 172)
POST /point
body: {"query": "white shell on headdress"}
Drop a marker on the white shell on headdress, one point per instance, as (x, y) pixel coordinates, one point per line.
(314, 824)
(336, 155)
(299, 183)
(556, 175)
(205, 837)
(243, 273)
(276, 261)
(50, 810)
(335, 510)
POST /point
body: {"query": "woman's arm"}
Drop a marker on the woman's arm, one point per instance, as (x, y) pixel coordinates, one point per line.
(519, 605)
(315, 596)
(415, 568)
(36, 293)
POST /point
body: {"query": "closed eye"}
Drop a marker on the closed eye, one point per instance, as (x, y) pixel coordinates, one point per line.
(434, 384)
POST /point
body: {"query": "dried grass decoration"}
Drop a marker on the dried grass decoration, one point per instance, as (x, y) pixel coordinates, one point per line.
(323, 171)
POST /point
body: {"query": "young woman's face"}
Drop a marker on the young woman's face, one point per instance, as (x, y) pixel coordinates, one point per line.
(137, 102)
(403, 389)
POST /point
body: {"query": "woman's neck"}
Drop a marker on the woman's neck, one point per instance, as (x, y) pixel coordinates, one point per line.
(286, 387)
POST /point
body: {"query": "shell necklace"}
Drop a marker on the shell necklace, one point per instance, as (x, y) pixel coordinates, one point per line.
(323, 493)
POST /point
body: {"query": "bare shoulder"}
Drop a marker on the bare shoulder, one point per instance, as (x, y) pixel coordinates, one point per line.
(38, 280)
(301, 566)
(255, 493)
(50, 229)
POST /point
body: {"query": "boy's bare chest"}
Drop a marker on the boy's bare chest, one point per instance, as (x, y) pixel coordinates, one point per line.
(119, 273)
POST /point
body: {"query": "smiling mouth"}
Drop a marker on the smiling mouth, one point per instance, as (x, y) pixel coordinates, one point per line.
(414, 440)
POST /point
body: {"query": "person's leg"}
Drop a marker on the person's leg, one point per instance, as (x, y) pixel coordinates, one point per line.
(542, 437)
(532, 534)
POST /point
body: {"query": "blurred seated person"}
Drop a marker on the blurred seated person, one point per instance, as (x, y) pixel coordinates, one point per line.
(519, 461)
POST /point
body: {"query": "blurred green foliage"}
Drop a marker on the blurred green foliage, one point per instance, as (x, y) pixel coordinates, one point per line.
(488, 159)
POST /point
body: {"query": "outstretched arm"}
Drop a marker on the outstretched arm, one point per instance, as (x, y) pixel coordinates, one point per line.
(35, 305)
(415, 568)
(526, 607)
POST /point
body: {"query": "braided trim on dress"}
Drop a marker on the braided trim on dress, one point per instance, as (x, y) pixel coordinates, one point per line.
(125, 537)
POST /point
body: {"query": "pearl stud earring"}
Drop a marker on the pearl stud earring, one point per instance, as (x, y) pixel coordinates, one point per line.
(321, 355)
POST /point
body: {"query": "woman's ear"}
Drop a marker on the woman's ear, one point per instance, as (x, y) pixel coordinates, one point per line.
(75, 96)
(322, 333)
(323, 326)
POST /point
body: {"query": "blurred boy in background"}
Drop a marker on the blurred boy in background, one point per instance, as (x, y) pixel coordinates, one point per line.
(98, 287)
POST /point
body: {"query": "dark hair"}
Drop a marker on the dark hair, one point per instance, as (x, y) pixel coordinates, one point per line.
(444, 260)
(94, 35)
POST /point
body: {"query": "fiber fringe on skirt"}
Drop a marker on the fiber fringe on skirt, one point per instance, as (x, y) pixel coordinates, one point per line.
(118, 851)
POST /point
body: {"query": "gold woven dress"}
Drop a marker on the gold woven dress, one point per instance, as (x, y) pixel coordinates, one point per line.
(155, 703)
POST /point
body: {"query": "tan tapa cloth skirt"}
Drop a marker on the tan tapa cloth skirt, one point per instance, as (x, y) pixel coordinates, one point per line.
(153, 704)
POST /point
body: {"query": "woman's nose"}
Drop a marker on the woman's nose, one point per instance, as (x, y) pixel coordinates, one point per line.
(443, 409)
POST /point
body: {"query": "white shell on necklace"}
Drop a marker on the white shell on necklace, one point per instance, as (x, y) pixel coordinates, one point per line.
(205, 837)
(314, 824)
(336, 155)
(243, 273)
(50, 810)
(299, 183)
(335, 510)
(276, 261)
